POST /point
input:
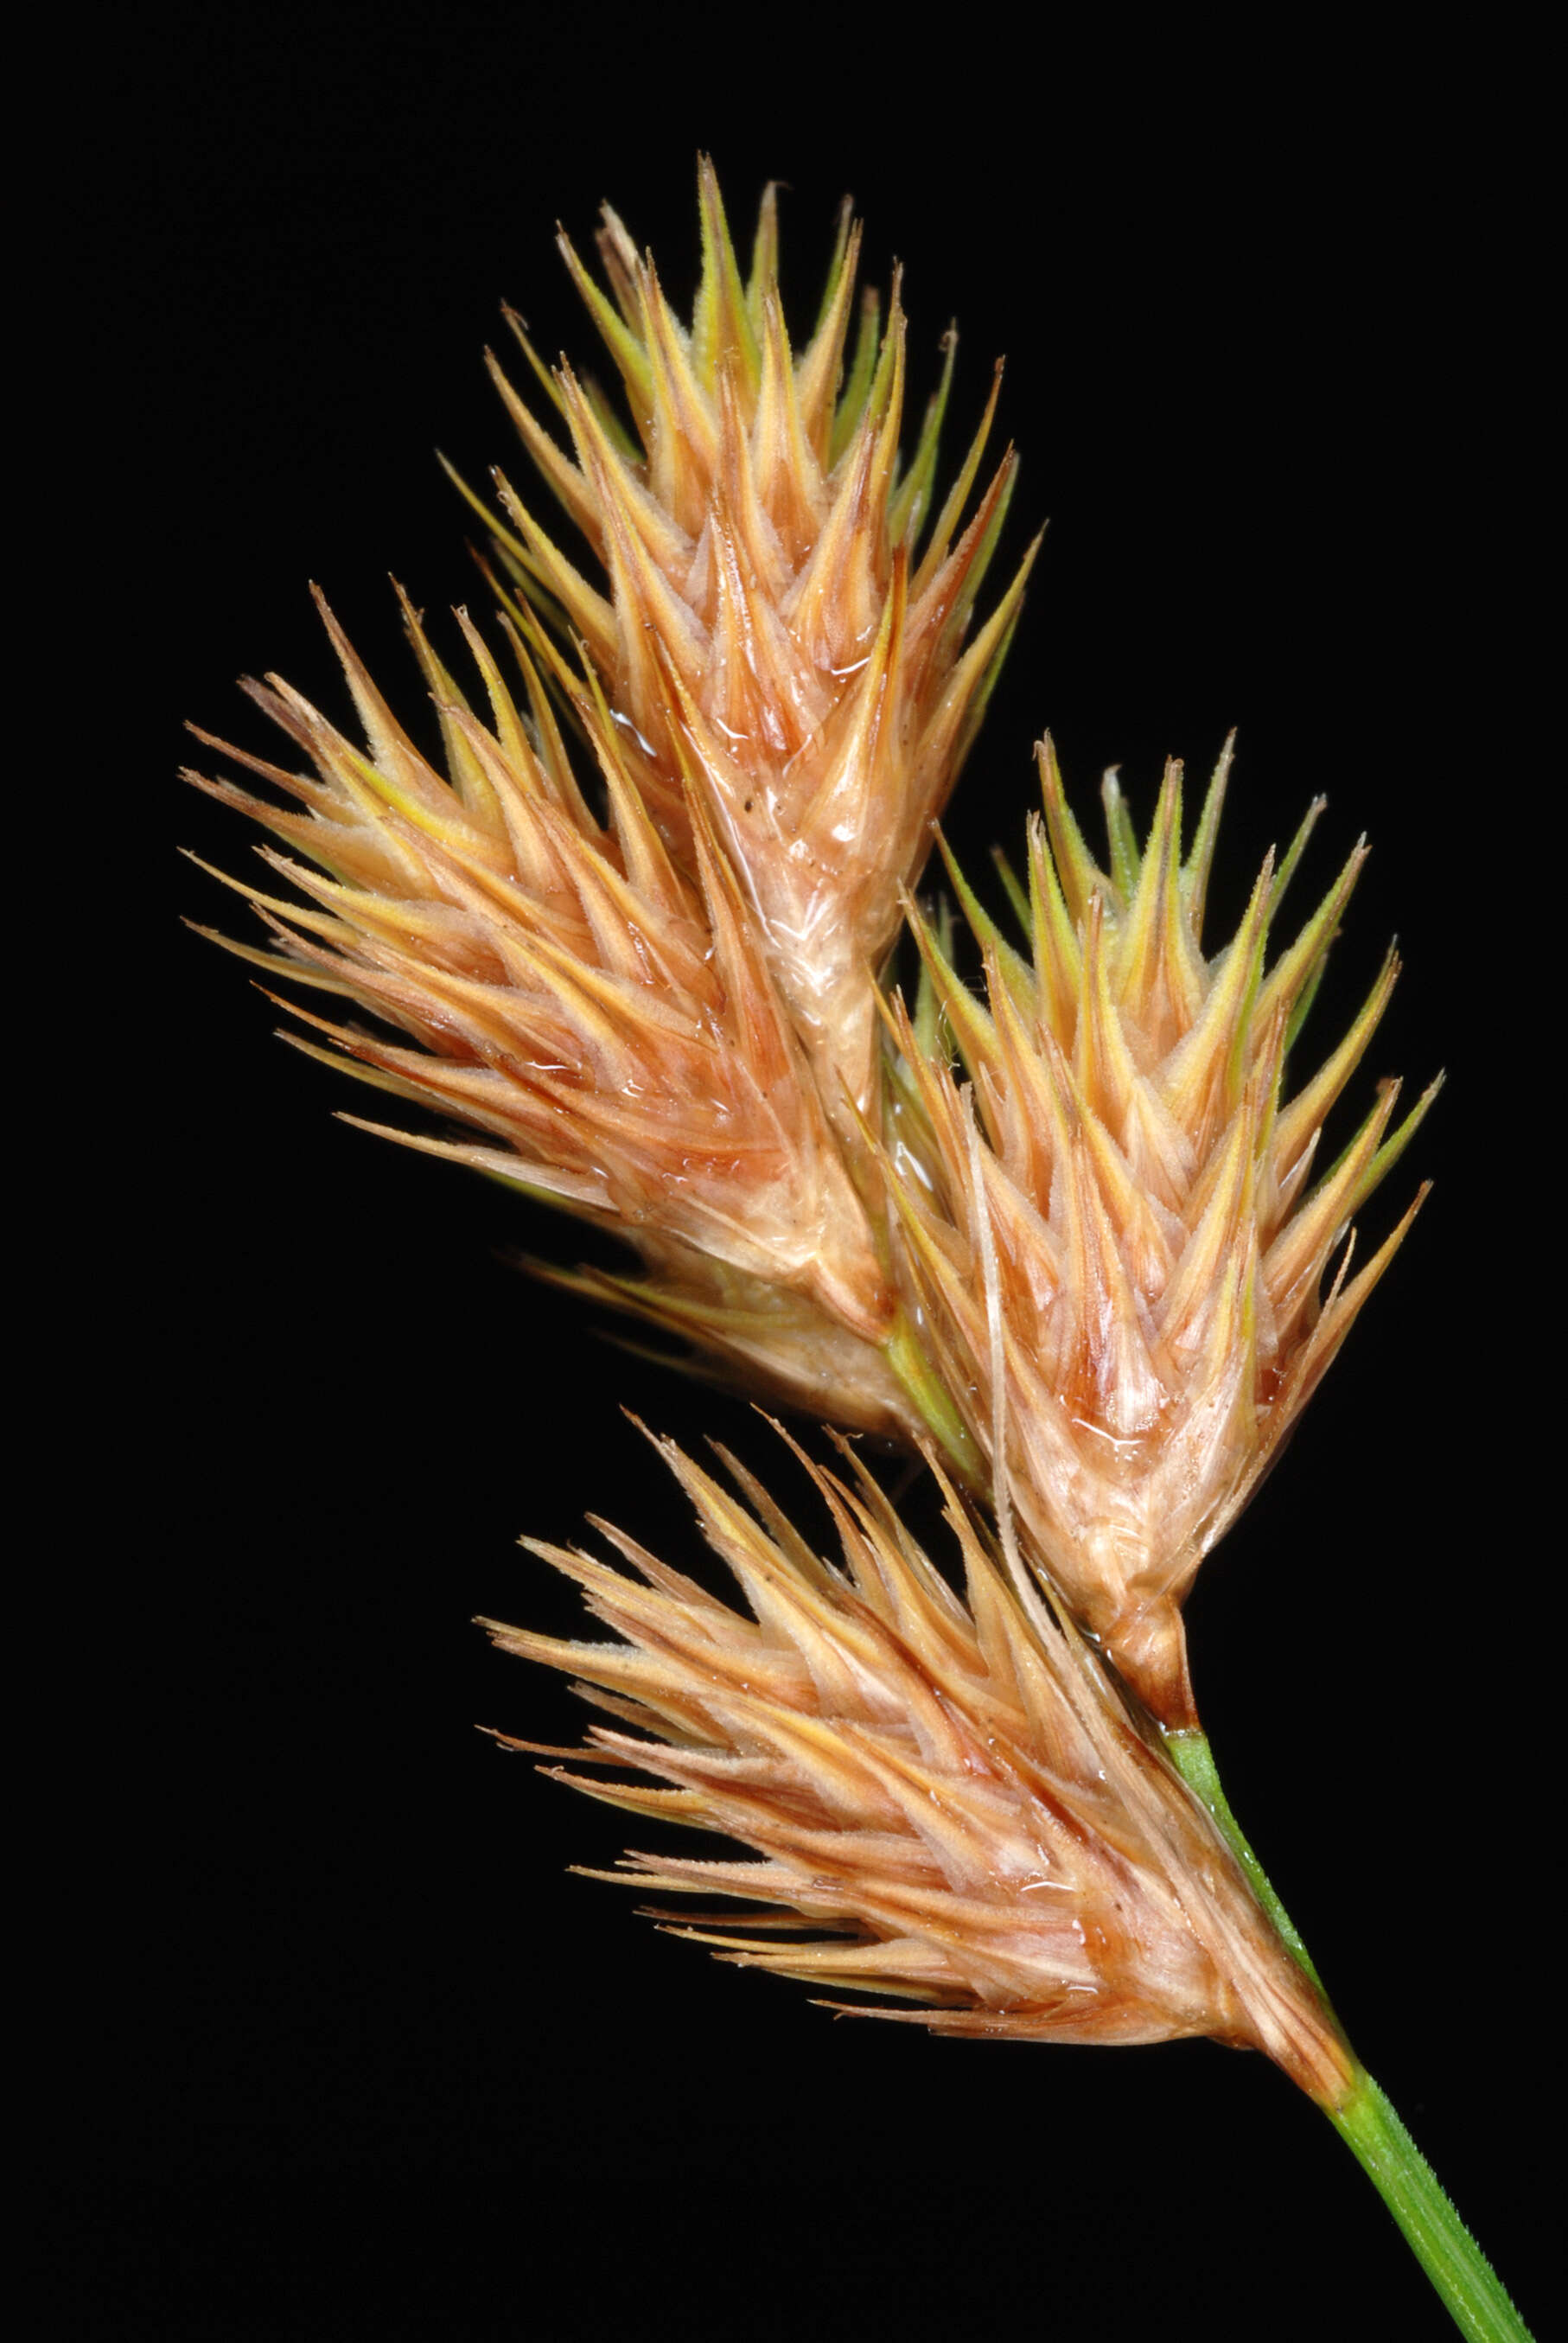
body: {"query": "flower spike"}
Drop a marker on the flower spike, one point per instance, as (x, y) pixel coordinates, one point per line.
(605, 1022)
(942, 1801)
(1142, 1185)
(761, 633)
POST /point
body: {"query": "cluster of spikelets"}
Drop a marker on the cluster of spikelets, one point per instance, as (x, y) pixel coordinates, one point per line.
(631, 943)
(667, 1019)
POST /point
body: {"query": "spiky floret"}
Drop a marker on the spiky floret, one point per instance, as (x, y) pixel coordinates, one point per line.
(607, 1022)
(943, 1801)
(1110, 1234)
(775, 646)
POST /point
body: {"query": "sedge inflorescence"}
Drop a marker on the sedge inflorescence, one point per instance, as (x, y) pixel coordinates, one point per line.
(629, 949)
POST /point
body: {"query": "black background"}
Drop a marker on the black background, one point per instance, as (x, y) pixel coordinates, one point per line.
(346, 2051)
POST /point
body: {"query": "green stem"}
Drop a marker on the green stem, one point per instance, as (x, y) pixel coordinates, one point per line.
(1366, 2121)
(1437, 2236)
(906, 1357)
(1190, 1753)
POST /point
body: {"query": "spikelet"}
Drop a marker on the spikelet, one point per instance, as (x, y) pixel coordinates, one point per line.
(604, 1022)
(1112, 1238)
(775, 648)
(943, 1801)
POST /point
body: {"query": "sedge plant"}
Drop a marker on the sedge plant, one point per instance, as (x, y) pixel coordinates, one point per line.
(1061, 1228)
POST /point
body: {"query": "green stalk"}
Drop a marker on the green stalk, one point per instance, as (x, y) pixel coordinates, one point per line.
(1365, 2119)
(1437, 2236)
(907, 1358)
(1194, 1759)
